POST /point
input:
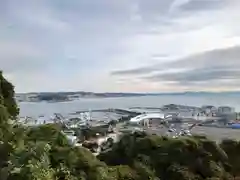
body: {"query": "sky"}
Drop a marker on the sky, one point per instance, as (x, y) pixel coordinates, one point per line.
(121, 45)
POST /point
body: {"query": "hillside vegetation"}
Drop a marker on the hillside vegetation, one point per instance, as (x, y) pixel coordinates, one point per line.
(43, 153)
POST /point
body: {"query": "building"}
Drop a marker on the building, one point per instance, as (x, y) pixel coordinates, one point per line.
(209, 109)
(22, 97)
(226, 109)
(225, 118)
(170, 108)
(147, 119)
(74, 97)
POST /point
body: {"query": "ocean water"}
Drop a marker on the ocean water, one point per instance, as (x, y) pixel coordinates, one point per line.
(47, 109)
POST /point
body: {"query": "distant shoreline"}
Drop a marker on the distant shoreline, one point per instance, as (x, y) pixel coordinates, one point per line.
(39, 98)
(72, 96)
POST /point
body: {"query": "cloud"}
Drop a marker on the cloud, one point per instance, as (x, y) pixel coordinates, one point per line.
(198, 75)
(212, 59)
(91, 45)
(142, 70)
(211, 69)
(218, 57)
(20, 57)
(196, 5)
(216, 68)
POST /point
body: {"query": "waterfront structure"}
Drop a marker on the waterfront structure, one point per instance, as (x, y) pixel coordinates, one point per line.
(170, 108)
(209, 109)
(225, 109)
(148, 118)
(31, 97)
(74, 97)
(225, 118)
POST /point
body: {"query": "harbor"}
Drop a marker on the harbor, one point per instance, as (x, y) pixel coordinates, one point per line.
(98, 129)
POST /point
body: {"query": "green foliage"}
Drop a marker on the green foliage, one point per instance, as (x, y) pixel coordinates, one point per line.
(123, 173)
(4, 123)
(176, 172)
(144, 172)
(181, 158)
(31, 163)
(47, 133)
(7, 97)
(232, 149)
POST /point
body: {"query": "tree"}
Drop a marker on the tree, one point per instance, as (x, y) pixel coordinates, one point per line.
(4, 123)
(232, 148)
(31, 163)
(48, 133)
(123, 172)
(7, 97)
(167, 158)
(6, 145)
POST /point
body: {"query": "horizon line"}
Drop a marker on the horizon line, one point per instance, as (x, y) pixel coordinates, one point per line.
(213, 92)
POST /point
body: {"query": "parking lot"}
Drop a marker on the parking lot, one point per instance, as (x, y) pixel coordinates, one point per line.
(213, 133)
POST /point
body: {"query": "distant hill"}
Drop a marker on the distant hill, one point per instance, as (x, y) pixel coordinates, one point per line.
(198, 93)
(121, 94)
(67, 96)
(82, 93)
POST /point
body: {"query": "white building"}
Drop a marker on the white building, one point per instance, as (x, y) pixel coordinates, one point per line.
(146, 119)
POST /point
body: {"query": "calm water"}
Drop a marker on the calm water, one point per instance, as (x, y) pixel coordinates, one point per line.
(43, 108)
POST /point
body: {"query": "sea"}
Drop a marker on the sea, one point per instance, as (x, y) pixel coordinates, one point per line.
(35, 109)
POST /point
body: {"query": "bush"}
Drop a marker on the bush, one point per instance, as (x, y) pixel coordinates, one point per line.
(181, 158)
(48, 133)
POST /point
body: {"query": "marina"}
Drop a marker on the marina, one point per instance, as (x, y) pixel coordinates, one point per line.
(97, 128)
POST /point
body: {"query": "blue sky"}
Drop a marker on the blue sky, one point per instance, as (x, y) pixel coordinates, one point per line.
(121, 45)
